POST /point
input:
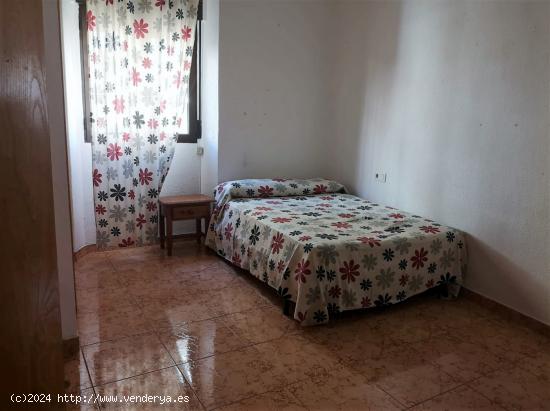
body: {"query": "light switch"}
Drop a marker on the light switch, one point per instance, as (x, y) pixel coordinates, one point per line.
(200, 150)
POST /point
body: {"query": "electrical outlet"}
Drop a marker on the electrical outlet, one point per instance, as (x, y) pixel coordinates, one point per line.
(380, 177)
(200, 150)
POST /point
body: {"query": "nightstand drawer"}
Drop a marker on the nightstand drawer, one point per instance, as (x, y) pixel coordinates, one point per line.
(190, 212)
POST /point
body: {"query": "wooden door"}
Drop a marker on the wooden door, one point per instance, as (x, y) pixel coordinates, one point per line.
(30, 335)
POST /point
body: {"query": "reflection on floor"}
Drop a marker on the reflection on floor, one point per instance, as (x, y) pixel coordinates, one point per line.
(193, 326)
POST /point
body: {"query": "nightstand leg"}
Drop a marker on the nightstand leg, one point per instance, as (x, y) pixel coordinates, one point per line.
(162, 229)
(169, 234)
(199, 233)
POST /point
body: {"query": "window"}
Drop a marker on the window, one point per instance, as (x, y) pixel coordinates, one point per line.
(193, 133)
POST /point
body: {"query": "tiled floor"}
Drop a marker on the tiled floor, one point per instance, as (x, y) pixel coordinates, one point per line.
(192, 325)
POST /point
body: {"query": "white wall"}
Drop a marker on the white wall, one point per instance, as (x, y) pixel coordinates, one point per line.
(209, 87)
(452, 100)
(184, 177)
(60, 176)
(80, 153)
(273, 88)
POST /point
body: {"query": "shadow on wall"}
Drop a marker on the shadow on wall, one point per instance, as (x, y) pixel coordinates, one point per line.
(510, 279)
(395, 54)
(369, 64)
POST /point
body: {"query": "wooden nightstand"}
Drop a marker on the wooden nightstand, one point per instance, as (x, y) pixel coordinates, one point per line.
(185, 207)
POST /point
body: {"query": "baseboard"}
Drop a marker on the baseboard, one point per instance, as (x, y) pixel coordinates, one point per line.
(71, 348)
(87, 249)
(507, 312)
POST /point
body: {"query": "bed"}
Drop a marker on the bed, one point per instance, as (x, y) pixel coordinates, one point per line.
(328, 251)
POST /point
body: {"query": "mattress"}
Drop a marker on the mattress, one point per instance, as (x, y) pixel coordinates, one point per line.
(328, 251)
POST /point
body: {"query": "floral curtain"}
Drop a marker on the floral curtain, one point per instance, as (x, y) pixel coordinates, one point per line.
(140, 54)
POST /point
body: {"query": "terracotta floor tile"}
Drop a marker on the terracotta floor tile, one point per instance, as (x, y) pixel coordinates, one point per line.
(353, 340)
(150, 268)
(110, 325)
(462, 308)
(76, 375)
(267, 295)
(462, 398)
(127, 357)
(522, 340)
(234, 299)
(126, 258)
(405, 375)
(190, 259)
(144, 275)
(95, 300)
(143, 292)
(152, 263)
(515, 389)
(87, 401)
(261, 324)
(510, 341)
(463, 360)
(97, 261)
(342, 390)
(407, 325)
(270, 401)
(225, 378)
(165, 382)
(196, 340)
(538, 364)
(108, 278)
(178, 309)
(298, 358)
(196, 265)
(209, 279)
(237, 350)
(184, 252)
(481, 331)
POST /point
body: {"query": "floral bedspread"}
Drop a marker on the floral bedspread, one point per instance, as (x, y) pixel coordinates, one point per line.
(329, 251)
